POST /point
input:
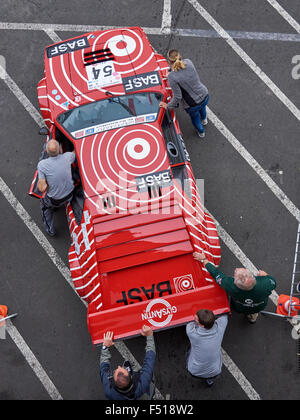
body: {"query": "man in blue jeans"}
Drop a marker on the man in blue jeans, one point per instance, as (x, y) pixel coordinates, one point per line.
(188, 90)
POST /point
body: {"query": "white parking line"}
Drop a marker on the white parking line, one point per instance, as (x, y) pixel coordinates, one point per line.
(245, 57)
(22, 98)
(285, 15)
(199, 33)
(166, 18)
(282, 197)
(239, 377)
(32, 361)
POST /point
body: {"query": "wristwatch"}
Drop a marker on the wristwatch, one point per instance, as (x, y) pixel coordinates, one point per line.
(203, 260)
(104, 347)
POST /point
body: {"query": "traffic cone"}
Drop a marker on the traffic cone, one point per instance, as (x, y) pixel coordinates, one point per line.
(284, 303)
(3, 311)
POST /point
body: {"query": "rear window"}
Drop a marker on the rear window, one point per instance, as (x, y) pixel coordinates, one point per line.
(111, 113)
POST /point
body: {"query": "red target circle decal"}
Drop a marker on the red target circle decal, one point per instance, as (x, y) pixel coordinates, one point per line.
(184, 283)
(112, 160)
(128, 49)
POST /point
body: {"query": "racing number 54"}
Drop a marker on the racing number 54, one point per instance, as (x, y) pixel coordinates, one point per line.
(107, 71)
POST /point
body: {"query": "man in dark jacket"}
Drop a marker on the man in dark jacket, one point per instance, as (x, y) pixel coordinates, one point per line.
(249, 294)
(124, 383)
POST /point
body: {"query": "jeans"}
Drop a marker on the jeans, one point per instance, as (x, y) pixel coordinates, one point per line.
(47, 209)
(198, 114)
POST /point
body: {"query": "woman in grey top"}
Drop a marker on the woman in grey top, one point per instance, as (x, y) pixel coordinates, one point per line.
(187, 89)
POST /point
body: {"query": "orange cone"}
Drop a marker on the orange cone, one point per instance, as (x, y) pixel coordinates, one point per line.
(3, 310)
(3, 313)
(284, 303)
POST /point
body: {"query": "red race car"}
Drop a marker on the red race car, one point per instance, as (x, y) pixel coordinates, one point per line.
(136, 216)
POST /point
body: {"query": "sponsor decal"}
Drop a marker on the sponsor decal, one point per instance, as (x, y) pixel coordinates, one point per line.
(142, 81)
(102, 74)
(157, 179)
(89, 131)
(67, 47)
(111, 125)
(159, 313)
(138, 294)
(79, 134)
(150, 117)
(184, 283)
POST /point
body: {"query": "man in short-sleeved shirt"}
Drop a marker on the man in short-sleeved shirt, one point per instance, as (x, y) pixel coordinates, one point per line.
(249, 293)
(55, 176)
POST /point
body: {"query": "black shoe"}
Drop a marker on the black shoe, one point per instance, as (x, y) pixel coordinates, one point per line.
(210, 382)
(51, 232)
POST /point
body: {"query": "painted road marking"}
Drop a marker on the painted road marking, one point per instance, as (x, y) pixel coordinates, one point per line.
(245, 57)
(200, 33)
(32, 361)
(277, 191)
(166, 18)
(285, 15)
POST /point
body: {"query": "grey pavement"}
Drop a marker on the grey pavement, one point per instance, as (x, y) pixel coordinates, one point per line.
(52, 320)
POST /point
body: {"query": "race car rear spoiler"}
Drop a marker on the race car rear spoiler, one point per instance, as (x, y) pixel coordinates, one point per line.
(160, 313)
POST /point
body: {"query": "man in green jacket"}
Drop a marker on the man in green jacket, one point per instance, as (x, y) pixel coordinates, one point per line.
(249, 293)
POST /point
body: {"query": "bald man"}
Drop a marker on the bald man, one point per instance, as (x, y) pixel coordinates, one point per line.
(249, 293)
(55, 177)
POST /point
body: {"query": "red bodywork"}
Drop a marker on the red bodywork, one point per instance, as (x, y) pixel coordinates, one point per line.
(131, 254)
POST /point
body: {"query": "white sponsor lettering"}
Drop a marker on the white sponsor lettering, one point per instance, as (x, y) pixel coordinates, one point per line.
(152, 315)
(141, 82)
(66, 47)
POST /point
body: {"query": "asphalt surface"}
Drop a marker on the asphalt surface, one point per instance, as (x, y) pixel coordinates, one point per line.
(52, 319)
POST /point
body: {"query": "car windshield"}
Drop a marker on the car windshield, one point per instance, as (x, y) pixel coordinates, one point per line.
(111, 113)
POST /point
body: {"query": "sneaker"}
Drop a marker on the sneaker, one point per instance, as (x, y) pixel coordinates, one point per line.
(202, 135)
(204, 122)
(252, 318)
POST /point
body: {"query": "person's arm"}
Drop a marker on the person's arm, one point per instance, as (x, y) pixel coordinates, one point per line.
(177, 95)
(271, 281)
(105, 358)
(149, 361)
(220, 278)
(42, 183)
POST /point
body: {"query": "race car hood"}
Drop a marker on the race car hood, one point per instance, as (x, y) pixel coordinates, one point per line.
(115, 160)
(82, 70)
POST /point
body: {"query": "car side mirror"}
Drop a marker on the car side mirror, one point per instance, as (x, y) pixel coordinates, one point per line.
(44, 131)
